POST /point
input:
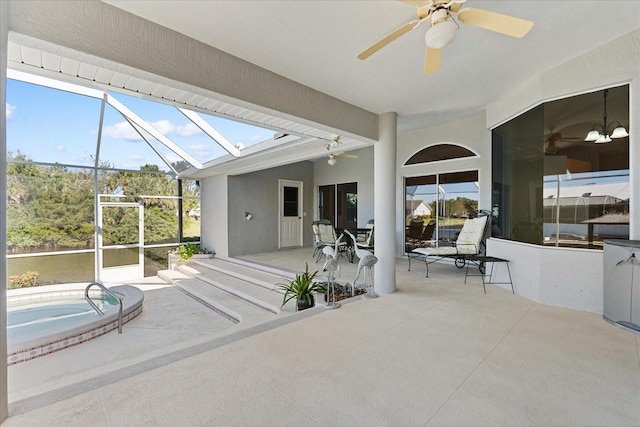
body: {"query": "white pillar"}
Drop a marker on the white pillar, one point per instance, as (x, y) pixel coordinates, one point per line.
(634, 160)
(4, 37)
(384, 185)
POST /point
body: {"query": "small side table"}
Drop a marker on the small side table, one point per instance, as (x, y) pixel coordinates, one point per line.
(481, 261)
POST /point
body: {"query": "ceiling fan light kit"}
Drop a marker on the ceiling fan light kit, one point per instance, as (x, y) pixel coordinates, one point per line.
(332, 160)
(444, 28)
(605, 136)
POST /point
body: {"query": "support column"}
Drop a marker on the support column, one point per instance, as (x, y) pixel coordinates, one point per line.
(4, 38)
(384, 206)
(634, 161)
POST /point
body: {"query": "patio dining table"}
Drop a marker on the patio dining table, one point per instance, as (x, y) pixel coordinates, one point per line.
(361, 235)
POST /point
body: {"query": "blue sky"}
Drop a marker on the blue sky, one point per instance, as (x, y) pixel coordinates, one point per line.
(50, 125)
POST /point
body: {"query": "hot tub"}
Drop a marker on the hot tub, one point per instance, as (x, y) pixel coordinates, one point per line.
(47, 319)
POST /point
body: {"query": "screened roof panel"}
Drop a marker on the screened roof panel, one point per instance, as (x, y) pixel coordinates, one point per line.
(50, 125)
(124, 147)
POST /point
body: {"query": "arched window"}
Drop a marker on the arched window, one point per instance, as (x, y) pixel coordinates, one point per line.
(439, 152)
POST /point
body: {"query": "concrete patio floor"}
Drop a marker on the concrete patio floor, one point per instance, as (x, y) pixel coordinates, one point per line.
(436, 352)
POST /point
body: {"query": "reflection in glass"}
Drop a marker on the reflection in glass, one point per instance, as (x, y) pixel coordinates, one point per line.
(550, 186)
(436, 207)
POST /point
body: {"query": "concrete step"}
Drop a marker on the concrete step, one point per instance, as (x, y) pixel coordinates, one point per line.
(243, 286)
(236, 309)
(266, 277)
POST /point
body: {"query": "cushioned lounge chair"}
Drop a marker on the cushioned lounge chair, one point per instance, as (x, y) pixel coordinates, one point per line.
(469, 242)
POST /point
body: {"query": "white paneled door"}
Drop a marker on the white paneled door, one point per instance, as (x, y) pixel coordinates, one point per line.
(290, 213)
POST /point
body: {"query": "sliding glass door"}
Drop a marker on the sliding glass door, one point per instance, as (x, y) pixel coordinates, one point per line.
(338, 203)
(437, 205)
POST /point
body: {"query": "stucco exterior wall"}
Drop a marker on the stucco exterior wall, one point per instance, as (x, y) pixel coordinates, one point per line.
(258, 193)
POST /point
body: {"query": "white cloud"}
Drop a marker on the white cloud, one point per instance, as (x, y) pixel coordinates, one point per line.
(60, 148)
(188, 130)
(11, 109)
(199, 147)
(163, 126)
(136, 157)
(172, 158)
(121, 130)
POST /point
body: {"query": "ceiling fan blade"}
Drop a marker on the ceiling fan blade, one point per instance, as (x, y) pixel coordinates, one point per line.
(388, 39)
(432, 60)
(350, 156)
(492, 21)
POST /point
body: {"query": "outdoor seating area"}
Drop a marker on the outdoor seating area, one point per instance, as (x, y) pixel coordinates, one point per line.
(470, 242)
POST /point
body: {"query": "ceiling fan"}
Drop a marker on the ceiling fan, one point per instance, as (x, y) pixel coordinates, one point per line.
(550, 142)
(442, 14)
(333, 157)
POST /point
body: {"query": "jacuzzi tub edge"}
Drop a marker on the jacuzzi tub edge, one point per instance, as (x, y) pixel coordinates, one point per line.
(21, 350)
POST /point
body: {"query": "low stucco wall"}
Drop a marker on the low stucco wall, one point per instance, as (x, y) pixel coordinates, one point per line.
(564, 277)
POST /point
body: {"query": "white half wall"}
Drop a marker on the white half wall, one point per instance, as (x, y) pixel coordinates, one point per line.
(564, 277)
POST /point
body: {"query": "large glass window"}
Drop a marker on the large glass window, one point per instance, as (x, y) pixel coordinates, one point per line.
(437, 205)
(552, 187)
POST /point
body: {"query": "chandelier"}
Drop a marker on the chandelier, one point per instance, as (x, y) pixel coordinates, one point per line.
(606, 134)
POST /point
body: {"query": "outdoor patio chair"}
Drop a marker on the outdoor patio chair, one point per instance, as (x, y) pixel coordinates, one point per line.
(324, 234)
(469, 243)
(367, 245)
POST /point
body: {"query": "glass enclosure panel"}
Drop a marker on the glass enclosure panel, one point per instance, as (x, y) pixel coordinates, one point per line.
(51, 125)
(169, 121)
(52, 208)
(237, 133)
(119, 257)
(49, 208)
(120, 225)
(122, 146)
(161, 221)
(156, 259)
(550, 185)
(50, 269)
(517, 177)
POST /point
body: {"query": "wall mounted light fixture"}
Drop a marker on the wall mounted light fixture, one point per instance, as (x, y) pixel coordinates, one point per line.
(248, 216)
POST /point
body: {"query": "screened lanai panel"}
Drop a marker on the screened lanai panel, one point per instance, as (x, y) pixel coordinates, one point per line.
(124, 145)
(169, 121)
(51, 125)
(49, 208)
(238, 133)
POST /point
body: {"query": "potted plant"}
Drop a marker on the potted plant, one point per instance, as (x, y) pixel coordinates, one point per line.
(187, 251)
(302, 288)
